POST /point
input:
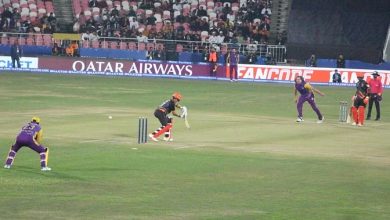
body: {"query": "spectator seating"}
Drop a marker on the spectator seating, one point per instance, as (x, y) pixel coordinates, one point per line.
(214, 15)
(28, 39)
(29, 9)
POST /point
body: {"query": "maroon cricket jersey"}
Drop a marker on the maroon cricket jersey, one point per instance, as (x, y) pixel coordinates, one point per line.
(167, 107)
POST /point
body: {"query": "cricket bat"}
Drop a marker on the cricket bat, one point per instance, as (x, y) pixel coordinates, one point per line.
(186, 122)
(349, 115)
(185, 116)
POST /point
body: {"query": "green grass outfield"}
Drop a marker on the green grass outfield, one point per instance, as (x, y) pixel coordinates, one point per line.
(245, 157)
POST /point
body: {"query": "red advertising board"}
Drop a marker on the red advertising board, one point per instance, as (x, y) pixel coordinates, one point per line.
(122, 67)
(311, 74)
(246, 72)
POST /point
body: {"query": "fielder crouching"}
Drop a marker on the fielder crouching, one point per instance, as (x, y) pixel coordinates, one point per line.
(162, 112)
(30, 136)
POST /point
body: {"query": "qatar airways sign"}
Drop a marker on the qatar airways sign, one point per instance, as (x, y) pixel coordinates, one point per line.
(133, 68)
(119, 67)
(317, 75)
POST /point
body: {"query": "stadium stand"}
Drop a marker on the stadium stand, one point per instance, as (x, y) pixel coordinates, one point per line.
(237, 22)
(179, 25)
(27, 16)
(33, 20)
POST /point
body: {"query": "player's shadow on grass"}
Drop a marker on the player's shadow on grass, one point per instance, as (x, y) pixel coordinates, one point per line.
(125, 135)
(60, 174)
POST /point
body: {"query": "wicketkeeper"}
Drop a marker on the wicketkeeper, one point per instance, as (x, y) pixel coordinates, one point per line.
(162, 114)
(30, 136)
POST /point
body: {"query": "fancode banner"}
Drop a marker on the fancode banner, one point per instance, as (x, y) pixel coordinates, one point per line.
(311, 74)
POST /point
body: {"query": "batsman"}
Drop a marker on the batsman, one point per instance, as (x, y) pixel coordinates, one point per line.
(360, 100)
(29, 136)
(162, 114)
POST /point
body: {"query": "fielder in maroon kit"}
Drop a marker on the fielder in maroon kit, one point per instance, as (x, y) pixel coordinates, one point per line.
(162, 112)
(30, 136)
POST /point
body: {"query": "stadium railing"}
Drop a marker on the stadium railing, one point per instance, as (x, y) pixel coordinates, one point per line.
(278, 52)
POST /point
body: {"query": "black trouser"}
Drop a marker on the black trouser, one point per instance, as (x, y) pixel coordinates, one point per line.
(162, 117)
(374, 98)
(359, 102)
(213, 68)
(13, 61)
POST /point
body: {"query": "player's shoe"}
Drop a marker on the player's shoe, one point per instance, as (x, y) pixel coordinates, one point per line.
(45, 169)
(299, 119)
(153, 138)
(359, 124)
(322, 120)
(354, 123)
(168, 139)
(7, 166)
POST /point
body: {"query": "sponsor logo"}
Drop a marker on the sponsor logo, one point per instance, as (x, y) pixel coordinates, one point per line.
(25, 62)
(273, 73)
(317, 75)
(132, 68)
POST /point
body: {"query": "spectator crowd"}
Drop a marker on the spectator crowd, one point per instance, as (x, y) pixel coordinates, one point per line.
(211, 21)
(33, 16)
(214, 23)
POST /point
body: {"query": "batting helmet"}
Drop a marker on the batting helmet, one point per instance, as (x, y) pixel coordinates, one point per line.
(177, 95)
(36, 119)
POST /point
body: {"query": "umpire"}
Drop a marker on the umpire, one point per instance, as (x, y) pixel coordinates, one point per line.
(376, 90)
(16, 54)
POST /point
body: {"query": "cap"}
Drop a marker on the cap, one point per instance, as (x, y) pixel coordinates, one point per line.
(375, 73)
